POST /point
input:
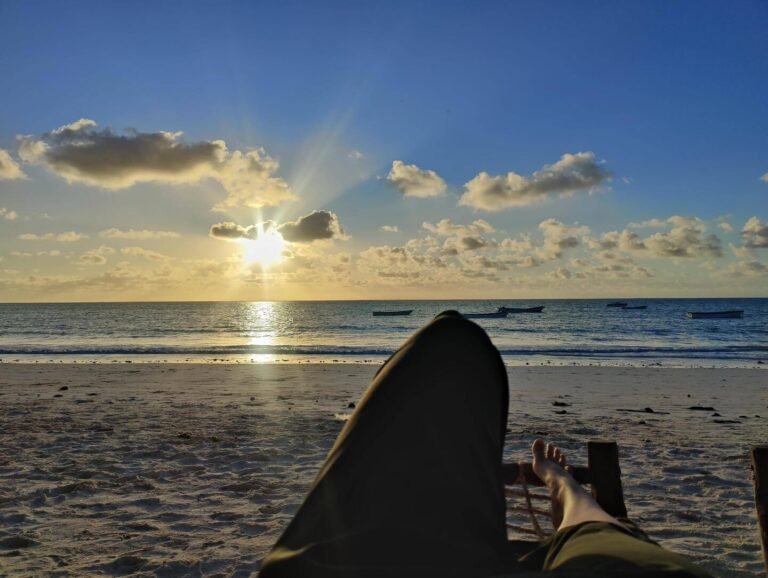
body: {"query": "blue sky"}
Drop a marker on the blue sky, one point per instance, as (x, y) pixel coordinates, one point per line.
(667, 97)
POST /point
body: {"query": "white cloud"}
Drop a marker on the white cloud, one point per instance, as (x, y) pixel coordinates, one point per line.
(687, 238)
(389, 228)
(447, 228)
(412, 181)
(97, 256)
(9, 168)
(649, 224)
(355, 155)
(68, 237)
(764, 178)
(136, 234)
(144, 253)
(725, 227)
(79, 152)
(570, 174)
(559, 237)
(8, 214)
(755, 234)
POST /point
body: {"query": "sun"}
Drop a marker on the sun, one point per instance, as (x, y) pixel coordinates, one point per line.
(266, 249)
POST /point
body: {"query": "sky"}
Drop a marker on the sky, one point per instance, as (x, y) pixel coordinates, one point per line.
(384, 150)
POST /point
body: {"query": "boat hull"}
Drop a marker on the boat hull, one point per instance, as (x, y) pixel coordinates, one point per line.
(522, 309)
(737, 314)
(392, 313)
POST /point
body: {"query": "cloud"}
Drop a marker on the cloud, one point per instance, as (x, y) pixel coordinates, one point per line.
(686, 239)
(755, 234)
(82, 153)
(725, 227)
(625, 240)
(412, 181)
(230, 231)
(68, 237)
(144, 253)
(649, 224)
(558, 237)
(748, 269)
(97, 256)
(8, 214)
(134, 234)
(9, 168)
(389, 228)
(447, 228)
(318, 225)
(570, 174)
(764, 178)
(355, 155)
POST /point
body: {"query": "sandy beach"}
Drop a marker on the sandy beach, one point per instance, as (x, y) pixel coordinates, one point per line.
(194, 469)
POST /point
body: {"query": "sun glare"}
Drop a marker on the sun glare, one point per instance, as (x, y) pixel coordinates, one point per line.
(266, 249)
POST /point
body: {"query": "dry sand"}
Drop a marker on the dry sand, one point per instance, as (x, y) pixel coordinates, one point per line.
(188, 470)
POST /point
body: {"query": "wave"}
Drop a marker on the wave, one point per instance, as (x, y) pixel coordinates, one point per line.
(733, 352)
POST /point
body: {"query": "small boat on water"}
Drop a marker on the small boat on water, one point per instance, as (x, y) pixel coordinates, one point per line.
(392, 313)
(735, 314)
(522, 309)
(494, 315)
(617, 304)
(634, 307)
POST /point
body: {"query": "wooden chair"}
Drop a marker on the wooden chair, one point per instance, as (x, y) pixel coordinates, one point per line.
(603, 475)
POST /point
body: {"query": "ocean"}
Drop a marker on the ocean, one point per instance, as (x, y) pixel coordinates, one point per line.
(578, 332)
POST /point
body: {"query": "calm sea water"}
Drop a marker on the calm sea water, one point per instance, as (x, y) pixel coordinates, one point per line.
(568, 331)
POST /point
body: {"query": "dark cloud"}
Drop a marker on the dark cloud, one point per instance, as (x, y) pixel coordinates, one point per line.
(316, 226)
(230, 231)
(570, 174)
(80, 152)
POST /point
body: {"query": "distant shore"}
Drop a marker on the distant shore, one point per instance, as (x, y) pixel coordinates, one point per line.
(121, 468)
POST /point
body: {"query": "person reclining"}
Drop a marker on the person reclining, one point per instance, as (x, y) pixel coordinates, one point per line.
(413, 484)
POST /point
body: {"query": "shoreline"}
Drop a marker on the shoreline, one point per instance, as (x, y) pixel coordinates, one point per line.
(269, 359)
(197, 468)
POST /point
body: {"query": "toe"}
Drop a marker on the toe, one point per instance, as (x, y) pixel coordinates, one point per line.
(550, 451)
(538, 449)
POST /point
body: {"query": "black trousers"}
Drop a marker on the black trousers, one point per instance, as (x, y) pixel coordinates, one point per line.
(413, 485)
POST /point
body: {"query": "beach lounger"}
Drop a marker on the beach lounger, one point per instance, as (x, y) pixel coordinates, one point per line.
(528, 507)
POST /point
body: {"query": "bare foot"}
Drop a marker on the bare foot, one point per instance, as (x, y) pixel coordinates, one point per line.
(571, 503)
(549, 464)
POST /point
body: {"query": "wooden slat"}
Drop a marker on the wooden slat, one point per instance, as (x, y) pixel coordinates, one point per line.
(510, 473)
(603, 458)
(760, 469)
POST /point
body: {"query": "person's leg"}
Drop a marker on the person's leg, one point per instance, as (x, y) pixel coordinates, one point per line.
(590, 540)
(571, 504)
(413, 482)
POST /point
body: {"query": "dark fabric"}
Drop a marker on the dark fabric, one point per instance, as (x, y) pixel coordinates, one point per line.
(413, 484)
(607, 550)
(414, 479)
